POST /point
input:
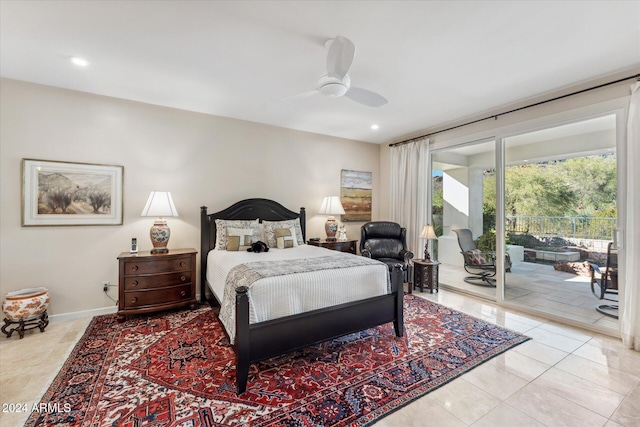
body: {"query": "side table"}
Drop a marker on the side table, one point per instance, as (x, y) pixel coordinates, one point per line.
(336, 245)
(425, 274)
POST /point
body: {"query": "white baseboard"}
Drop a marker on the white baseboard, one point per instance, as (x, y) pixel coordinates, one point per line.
(90, 313)
(85, 313)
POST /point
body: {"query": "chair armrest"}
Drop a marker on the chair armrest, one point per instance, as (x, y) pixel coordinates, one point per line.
(406, 255)
(595, 269)
(366, 253)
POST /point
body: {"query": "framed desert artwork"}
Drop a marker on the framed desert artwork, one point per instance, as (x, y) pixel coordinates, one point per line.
(355, 195)
(67, 193)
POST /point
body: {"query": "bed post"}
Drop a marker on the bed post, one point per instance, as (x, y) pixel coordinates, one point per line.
(204, 251)
(397, 286)
(303, 223)
(242, 341)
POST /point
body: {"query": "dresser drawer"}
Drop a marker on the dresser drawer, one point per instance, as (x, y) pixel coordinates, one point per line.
(135, 267)
(171, 294)
(132, 283)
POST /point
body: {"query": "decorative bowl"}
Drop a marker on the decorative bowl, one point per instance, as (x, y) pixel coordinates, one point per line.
(25, 304)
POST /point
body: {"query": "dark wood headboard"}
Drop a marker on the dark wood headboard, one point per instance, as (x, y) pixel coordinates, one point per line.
(248, 209)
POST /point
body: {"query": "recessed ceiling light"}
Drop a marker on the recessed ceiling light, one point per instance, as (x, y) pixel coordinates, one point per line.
(375, 127)
(79, 61)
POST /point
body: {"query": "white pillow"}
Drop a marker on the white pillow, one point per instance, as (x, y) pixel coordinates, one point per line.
(270, 227)
(285, 238)
(239, 239)
(223, 224)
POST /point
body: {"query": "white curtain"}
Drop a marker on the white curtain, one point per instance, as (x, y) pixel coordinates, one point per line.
(410, 190)
(630, 292)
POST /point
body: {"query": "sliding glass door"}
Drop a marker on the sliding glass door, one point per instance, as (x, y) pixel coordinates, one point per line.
(463, 198)
(560, 209)
(558, 194)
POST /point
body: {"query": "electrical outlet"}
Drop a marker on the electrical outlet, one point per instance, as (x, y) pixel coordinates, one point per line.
(105, 285)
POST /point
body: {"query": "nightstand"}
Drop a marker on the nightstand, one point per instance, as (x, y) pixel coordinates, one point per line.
(336, 245)
(153, 282)
(425, 274)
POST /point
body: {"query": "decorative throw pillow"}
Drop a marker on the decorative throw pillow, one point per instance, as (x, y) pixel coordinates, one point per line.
(476, 257)
(239, 239)
(285, 238)
(223, 224)
(270, 227)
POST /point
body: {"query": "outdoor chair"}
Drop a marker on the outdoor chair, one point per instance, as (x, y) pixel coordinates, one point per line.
(481, 265)
(604, 285)
(387, 242)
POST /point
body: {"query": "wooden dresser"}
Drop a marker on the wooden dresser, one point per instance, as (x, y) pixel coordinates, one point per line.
(152, 282)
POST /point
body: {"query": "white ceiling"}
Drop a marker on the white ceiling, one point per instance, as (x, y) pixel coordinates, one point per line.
(436, 61)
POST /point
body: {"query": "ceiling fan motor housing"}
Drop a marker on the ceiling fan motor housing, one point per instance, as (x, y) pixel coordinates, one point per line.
(332, 86)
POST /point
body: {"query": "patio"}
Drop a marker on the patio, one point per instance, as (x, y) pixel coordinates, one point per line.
(539, 287)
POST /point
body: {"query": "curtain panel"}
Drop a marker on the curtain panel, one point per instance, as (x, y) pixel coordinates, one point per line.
(411, 190)
(630, 294)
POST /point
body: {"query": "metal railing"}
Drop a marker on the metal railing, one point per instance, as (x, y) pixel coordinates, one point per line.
(578, 227)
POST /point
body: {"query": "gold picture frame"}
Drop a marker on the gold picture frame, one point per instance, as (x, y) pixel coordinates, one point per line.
(68, 193)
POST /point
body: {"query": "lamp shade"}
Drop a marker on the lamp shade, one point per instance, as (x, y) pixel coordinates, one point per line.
(428, 233)
(331, 206)
(159, 204)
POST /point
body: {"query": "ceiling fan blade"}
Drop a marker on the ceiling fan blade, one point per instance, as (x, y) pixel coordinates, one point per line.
(295, 96)
(366, 97)
(340, 57)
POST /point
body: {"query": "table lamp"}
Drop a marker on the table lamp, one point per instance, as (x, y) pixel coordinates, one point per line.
(331, 206)
(160, 204)
(427, 233)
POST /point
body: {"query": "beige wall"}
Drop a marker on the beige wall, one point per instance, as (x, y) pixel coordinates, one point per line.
(201, 159)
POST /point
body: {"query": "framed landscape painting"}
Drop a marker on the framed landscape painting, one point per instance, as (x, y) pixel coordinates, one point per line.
(67, 193)
(355, 195)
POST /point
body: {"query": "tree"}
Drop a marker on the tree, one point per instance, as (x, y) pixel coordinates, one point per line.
(489, 201)
(98, 199)
(59, 200)
(593, 181)
(536, 190)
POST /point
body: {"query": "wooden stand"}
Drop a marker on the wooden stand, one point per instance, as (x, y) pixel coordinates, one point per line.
(40, 322)
(425, 274)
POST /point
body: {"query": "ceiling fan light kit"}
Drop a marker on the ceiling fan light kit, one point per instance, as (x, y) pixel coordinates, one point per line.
(332, 86)
(337, 83)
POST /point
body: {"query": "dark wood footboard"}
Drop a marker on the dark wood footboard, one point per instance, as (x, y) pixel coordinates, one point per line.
(258, 341)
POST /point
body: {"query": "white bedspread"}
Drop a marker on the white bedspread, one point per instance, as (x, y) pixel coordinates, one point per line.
(274, 297)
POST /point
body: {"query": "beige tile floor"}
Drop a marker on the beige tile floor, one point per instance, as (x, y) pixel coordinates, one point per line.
(540, 287)
(564, 376)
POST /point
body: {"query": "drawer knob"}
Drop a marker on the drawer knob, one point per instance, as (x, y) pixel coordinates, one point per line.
(134, 268)
(183, 293)
(183, 278)
(134, 300)
(134, 283)
(183, 264)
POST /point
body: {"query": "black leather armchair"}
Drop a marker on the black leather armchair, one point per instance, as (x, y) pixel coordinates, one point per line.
(387, 242)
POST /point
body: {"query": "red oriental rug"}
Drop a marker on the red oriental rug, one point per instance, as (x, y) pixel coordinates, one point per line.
(178, 369)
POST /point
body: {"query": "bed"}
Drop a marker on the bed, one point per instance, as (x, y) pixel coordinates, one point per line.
(257, 340)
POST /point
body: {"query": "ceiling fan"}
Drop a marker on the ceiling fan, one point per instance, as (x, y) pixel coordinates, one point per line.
(336, 82)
